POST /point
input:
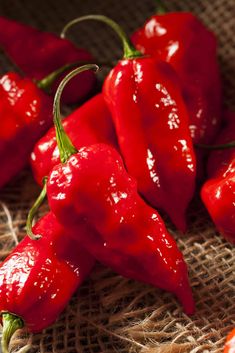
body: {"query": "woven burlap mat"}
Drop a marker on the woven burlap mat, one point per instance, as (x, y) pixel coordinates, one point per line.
(109, 313)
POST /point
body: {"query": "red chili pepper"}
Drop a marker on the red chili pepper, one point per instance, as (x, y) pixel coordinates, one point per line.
(38, 53)
(218, 193)
(230, 343)
(38, 278)
(91, 189)
(26, 113)
(151, 122)
(89, 124)
(181, 39)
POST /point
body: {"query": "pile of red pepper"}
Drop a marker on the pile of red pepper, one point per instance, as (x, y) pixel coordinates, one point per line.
(137, 148)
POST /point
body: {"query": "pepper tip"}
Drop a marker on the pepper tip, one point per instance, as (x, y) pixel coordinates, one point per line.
(185, 296)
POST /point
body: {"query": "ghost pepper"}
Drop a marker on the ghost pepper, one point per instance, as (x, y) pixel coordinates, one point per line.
(26, 113)
(218, 192)
(39, 277)
(38, 53)
(91, 189)
(151, 122)
(131, 238)
(183, 41)
(89, 124)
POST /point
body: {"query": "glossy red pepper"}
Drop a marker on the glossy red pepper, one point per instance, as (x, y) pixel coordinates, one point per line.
(91, 189)
(89, 124)
(230, 343)
(26, 113)
(151, 122)
(39, 277)
(39, 53)
(218, 192)
(182, 40)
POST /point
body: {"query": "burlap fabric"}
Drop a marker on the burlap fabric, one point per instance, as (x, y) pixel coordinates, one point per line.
(109, 313)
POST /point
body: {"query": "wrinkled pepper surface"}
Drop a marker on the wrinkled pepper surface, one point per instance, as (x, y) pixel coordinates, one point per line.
(89, 124)
(39, 53)
(92, 189)
(151, 122)
(26, 113)
(39, 277)
(183, 41)
(218, 192)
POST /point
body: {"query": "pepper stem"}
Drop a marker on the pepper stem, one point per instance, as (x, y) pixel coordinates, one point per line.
(216, 147)
(47, 81)
(10, 324)
(34, 210)
(65, 145)
(129, 51)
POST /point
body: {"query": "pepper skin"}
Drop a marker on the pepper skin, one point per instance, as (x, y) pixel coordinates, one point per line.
(218, 192)
(152, 128)
(26, 113)
(89, 124)
(230, 343)
(39, 53)
(39, 277)
(181, 40)
(92, 189)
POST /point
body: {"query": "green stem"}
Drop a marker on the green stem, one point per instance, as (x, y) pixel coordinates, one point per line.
(216, 147)
(33, 211)
(129, 50)
(48, 81)
(65, 145)
(11, 324)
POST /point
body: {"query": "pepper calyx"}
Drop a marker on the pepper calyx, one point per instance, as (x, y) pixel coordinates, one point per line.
(66, 148)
